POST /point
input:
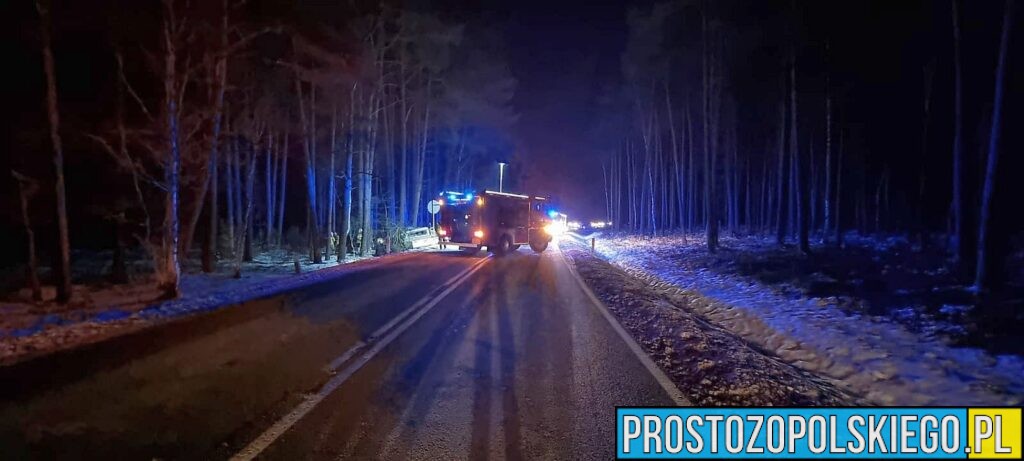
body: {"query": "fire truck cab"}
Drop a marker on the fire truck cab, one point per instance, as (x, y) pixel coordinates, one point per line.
(498, 221)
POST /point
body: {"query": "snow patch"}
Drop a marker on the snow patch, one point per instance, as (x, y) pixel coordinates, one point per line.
(877, 356)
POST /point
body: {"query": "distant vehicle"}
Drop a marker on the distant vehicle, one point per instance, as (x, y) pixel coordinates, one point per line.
(419, 237)
(498, 221)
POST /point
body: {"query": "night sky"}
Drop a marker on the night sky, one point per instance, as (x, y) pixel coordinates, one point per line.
(565, 56)
(567, 59)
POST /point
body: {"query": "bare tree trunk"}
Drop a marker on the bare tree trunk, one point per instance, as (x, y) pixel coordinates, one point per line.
(311, 192)
(606, 188)
(269, 170)
(765, 205)
(780, 193)
(255, 148)
(813, 189)
(839, 191)
(985, 265)
(748, 206)
(63, 268)
(798, 163)
(919, 224)
(960, 250)
(220, 73)
(283, 188)
(417, 191)
(170, 267)
(236, 185)
(691, 172)
(26, 189)
(331, 175)
(346, 204)
(828, 159)
(878, 199)
(403, 166)
(366, 177)
(246, 224)
(192, 221)
(210, 242)
(274, 184)
(229, 187)
(676, 157)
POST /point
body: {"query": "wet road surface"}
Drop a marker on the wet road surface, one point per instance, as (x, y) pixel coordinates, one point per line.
(416, 356)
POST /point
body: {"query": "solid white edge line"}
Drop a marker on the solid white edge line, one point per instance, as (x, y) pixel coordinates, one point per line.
(663, 380)
(258, 445)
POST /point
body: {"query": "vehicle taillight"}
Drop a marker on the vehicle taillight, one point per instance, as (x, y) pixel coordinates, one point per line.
(442, 232)
(478, 234)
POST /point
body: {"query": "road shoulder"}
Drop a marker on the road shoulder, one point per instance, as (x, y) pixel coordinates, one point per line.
(710, 365)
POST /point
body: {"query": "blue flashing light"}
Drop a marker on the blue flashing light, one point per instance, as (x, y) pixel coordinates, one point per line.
(552, 213)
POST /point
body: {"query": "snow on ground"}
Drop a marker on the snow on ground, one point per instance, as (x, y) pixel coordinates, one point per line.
(97, 312)
(709, 364)
(872, 355)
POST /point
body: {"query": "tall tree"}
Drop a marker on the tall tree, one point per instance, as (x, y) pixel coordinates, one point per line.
(798, 163)
(839, 188)
(960, 249)
(27, 187)
(828, 153)
(220, 79)
(309, 148)
(63, 268)
(781, 179)
(984, 264)
(169, 266)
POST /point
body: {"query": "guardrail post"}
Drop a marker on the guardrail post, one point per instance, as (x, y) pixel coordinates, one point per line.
(593, 244)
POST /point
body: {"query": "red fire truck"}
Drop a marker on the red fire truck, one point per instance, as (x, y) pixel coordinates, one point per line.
(498, 221)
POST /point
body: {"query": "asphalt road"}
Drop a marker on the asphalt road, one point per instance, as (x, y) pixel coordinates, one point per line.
(416, 356)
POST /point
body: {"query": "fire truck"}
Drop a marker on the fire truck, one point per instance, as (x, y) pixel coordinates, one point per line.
(498, 221)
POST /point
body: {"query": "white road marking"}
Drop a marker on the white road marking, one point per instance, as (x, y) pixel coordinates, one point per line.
(341, 359)
(663, 380)
(275, 431)
(358, 346)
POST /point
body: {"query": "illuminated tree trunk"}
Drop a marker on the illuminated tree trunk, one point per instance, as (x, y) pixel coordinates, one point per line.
(839, 191)
(229, 189)
(828, 160)
(798, 163)
(246, 223)
(170, 270)
(961, 254)
(366, 176)
(331, 174)
(780, 192)
(346, 204)
(421, 158)
(283, 187)
(403, 158)
(308, 143)
(270, 182)
(985, 264)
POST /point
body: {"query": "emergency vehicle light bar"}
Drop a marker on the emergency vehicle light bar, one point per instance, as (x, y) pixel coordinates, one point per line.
(505, 194)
